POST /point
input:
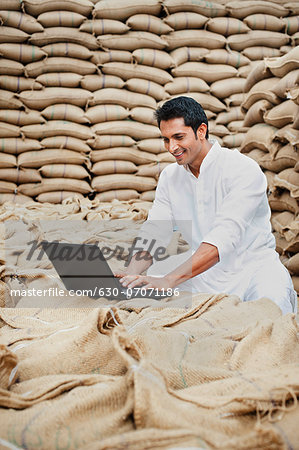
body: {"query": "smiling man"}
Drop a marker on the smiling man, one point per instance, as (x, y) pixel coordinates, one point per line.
(222, 194)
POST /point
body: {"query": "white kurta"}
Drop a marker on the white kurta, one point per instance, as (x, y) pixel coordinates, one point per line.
(225, 206)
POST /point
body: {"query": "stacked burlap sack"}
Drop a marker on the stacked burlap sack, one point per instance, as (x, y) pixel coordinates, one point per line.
(80, 80)
(271, 111)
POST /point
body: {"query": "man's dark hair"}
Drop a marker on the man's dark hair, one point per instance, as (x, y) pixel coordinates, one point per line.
(187, 108)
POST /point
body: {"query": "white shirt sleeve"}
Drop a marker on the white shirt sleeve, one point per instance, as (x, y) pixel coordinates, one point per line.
(246, 190)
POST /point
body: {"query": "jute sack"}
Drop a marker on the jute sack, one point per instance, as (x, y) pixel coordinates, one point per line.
(19, 20)
(207, 72)
(20, 175)
(152, 57)
(208, 9)
(236, 126)
(57, 127)
(52, 35)
(234, 113)
(102, 56)
(18, 84)
(151, 145)
(104, 26)
(143, 115)
(285, 64)
(64, 111)
(259, 136)
(233, 140)
(57, 196)
(256, 154)
(293, 8)
(264, 22)
(244, 71)
(184, 54)
(131, 41)
(68, 49)
(165, 157)
(285, 84)
(9, 100)
(121, 97)
(258, 73)
(261, 90)
(148, 22)
(22, 52)
(134, 129)
(207, 101)
(227, 87)
(259, 52)
(222, 56)
(35, 7)
(10, 34)
(258, 37)
(11, 5)
(14, 198)
(246, 8)
(235, 99)
(8, 130)
(113, 166)
(148, 196)
(60, 64)
(202, 38)
(147, 87)
(103, 113)
(288, 179)
(283, 202)
(287, 134)
(270, 181)
(67, 142)
(293, 264)
(61, 19)
(64, 171)
(124, 154)
(185, 19)
(295, 38)
(217, 129)
(285, 158)
(9, 187)
(180, 85)
(36, 159)
(111, 140)
(255, 113)
(51, 95)
(291, 24)
(282, 114)
(95, 82)
(151, 170)
(295, 281)
(113, 9)
(227, 26)
(128, 71)
(16, 146)
(51, 184)
(10, 67)
(7, 161)
(119, 194)
(104, 183)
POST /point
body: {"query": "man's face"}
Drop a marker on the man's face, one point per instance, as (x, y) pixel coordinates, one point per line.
(181, 141)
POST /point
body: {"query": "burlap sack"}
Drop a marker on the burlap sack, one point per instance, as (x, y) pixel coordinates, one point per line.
(287, 134)
(8, 130)
(53, 35)
(151, 170)
(7, 161)
(207, 72)
(185, 19)
(67, 142)
(128, 71)
(113, 166)
(57, 196)
(148, 22)
(151, 145)
(255, 113)
(68, 49)
(10, 67)
(104, 183)
(180, 85)
(227, 26)
(259, 136)
(51, 95)
(283, 65)
(22, 52)
(10, 34)
(19, 20)
(216, 129)
(233, 140)
(288, 179)
(291, 24)
(294, 94)
(103, 56)
(286, 157)
(259, 52)
(261, 90)
(147, 87)
(246, 8)
(258, 37)
(131, 41)
(227, 87)
(64, 111)
(20, 118)
(293, 264)
(184, 54)
(165, 157)
(14, 198)
(9, 100)
(125, 9)
(193, 38)
(7, 187)
(222, 56)
(16, 146)
(207, 9)
(235, 99)
(20, 175)
(11, 5)
(38, 158)
(35, 7)
(143, 115)
(148, 196)
(103, 113)
(293, 8)
(18, 84)
(236, 126)
(64, 171)
(123, 154)
(61, 19)
(234, 113)
(60, 64)
(104, 26)
(152, 57)
(244, 71)
(283, 202)
(295, 38)
(57, 127)
(96, 82)
(258, 73)
(118, 194)
(51, 184)
(256, 154)
(282, 114)
(121, 97)
(285, 84)
(264, 22)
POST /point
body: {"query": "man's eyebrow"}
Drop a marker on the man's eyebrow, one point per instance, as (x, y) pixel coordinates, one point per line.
(179, 133)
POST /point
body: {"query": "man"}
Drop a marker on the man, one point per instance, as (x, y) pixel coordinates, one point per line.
(222, 193)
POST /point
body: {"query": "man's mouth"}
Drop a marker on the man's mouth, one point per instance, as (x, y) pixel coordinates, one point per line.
(179, 154)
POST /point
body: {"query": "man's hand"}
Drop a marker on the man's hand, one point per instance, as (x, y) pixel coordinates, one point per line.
(131, 281)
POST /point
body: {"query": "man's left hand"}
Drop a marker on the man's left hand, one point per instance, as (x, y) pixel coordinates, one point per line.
(131, 281)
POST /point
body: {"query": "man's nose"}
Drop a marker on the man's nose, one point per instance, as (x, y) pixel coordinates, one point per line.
(173, 146)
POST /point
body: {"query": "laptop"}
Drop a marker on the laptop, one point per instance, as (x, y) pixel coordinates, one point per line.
(83, 268)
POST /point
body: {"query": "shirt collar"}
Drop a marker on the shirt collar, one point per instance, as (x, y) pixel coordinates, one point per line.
(209, 158)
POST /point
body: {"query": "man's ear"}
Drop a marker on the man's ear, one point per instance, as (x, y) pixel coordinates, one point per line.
(201, 131)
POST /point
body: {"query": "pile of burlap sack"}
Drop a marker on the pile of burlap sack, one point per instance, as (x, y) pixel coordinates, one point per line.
(79, 82)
